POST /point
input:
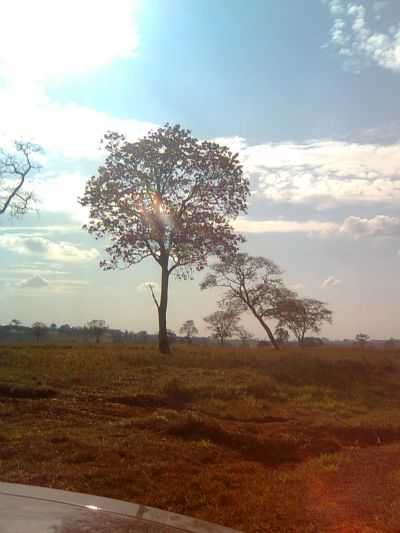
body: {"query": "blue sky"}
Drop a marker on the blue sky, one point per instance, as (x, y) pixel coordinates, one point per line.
(306, 92)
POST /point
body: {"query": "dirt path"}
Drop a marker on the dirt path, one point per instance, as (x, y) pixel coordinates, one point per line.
(361, 494)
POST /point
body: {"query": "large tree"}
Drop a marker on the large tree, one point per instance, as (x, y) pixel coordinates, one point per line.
(169, 197)
(300, 315)
(255, 283)
(14, 170)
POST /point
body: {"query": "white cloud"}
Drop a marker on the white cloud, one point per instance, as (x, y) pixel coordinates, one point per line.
(245, 225)
(330, 282)
(70, 130)
(34, 269)
(35, 282)
(59, 286)
(64, 286)
(337, 7)
(326, 173)
(43, 230)
(357, 42)
(60, 194)
(352, 226)
(64, 252)
(379, 226)
(235, 144)
(46, 40)
(70, 136)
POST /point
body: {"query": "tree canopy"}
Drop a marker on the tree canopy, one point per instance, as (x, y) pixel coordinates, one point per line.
(189, 329)
(254, 283)
(300, 315)
(97, 328)
(224, 323)
(169, 197)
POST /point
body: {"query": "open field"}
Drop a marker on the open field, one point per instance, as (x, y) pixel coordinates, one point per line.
(301, 441)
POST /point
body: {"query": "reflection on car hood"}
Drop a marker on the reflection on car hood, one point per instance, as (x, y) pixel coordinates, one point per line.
(29, 509)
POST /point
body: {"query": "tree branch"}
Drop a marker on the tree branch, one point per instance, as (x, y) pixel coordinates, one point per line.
(154, 296)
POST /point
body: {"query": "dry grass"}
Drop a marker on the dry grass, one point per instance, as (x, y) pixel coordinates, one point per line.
(235, 436)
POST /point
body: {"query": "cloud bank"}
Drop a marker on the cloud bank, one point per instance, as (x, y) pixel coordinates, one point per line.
(325, 173)
(61, 251)
(352, 226)
(352, 35)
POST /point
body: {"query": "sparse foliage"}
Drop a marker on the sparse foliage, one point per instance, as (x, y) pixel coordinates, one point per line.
(300, 315)
(189, 330)
(14, 170)
(97, 328)
(244, 335)
(224, 323)
(169, 197)
(254, 283)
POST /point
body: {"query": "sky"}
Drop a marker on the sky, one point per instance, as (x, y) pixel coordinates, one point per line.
(305, 92)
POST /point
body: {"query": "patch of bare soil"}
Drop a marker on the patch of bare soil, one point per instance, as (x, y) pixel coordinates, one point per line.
(361, 495)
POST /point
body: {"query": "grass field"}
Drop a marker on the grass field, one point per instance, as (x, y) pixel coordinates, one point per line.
(300, 441)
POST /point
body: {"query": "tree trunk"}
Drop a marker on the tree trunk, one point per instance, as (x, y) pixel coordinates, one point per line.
(264, 325)
(163, 342)
(301, 339)
(269, 333)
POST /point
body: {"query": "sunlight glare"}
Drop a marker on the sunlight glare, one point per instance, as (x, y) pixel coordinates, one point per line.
(47, 40)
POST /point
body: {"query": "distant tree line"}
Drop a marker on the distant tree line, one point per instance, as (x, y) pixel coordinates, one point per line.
(95, 331)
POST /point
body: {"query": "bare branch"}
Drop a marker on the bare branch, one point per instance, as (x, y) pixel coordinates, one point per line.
(16, 167)
(150, 286)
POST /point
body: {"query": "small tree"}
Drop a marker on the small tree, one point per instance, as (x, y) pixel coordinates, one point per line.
(171, 336)
(390, 344)
(39, 330)
(169, 197)
(14, 171)
(362, 339)
(224, 323)
(281, 335)
(300, 315)
(97, 328)
(254, 283)
(244, 335)
(189, 330)
(142, 336)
